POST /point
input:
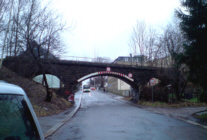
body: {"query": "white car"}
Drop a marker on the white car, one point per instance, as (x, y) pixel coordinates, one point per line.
(18, 120)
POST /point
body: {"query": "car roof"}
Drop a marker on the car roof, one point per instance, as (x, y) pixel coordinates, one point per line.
(6, 88)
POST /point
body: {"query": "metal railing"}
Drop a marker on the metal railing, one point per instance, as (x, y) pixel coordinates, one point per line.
(84, 59)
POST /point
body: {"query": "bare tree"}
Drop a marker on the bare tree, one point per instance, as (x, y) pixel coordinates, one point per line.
(36, 32)
(162, 51)
(11, 19)
(100, 80)
(28, 26)
(18, 21)
(7, 22)
(138, 41)
(143, 40)
(170, 45)
(151, 40)
(43, 27)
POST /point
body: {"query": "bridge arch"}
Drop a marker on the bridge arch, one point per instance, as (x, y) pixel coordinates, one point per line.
(118, 75)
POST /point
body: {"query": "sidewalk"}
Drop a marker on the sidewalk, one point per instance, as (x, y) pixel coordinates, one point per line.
(182, 113)
(50, 124)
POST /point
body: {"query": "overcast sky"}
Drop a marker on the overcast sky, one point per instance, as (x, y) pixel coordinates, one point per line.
(103, 27)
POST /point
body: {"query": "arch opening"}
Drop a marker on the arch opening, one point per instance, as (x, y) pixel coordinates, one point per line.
(53, 81)
(105, 73)
(123, 85)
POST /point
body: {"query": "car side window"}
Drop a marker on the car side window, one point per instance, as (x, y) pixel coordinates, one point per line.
(16, 121)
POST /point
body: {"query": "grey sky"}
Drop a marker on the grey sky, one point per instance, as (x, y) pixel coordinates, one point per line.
(103, 27)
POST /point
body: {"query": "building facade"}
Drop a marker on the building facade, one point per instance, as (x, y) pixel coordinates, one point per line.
(137, 60)
(118, 86)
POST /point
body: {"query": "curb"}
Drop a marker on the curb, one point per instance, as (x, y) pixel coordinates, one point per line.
(57, 126)
(188, 121)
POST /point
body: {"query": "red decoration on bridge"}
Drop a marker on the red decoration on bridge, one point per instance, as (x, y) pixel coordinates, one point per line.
(105, 73)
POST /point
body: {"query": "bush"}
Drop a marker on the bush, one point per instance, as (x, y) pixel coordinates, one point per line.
(203, 96)
(159, 94)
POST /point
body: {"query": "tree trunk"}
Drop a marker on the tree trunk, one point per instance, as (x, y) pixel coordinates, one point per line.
(178, 94)
(102, 81)
(49, 95)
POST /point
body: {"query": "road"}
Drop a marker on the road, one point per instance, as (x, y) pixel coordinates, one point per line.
(103, 118)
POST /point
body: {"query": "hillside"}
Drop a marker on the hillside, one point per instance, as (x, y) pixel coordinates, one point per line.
(36, 93)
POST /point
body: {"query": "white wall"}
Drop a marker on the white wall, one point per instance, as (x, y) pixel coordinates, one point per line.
(122, 85)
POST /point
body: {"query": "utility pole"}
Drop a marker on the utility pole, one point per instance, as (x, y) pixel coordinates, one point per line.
(130, 59)
(152, 82)
(152, 93)
(94, 82)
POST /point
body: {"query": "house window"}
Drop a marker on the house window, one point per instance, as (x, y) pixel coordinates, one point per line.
(119, 59)
(135, 60)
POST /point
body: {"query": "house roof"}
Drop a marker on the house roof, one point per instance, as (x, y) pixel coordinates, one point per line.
(37, 50)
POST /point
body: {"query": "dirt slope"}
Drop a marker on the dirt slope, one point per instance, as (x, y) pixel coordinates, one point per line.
(36, 93)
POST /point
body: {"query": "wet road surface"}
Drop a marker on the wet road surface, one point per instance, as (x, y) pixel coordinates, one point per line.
(103, 118)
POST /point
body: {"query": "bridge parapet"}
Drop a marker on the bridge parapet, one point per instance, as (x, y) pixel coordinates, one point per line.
(83, 63)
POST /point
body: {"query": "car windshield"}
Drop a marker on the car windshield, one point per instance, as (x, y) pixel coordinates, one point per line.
(86, 87)
(16, 121)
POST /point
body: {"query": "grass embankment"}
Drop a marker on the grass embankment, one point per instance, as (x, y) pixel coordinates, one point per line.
(202, 117)
(176, 104)
(194, 100)
(36, 93)
(185, 103)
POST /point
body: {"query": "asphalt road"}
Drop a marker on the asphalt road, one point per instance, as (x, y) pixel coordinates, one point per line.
(103, 118)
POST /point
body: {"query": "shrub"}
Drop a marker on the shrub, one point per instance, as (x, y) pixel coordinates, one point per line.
(159, 94)
(203, 96)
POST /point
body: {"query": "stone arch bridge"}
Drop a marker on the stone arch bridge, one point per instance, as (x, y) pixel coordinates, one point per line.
(71, 73)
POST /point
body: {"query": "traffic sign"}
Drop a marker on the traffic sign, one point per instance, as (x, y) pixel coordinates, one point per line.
(108, 69)
(152, 81)
(130, 75)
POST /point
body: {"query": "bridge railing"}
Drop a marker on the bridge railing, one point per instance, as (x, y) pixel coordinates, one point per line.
(103, 60)
(84, 59)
